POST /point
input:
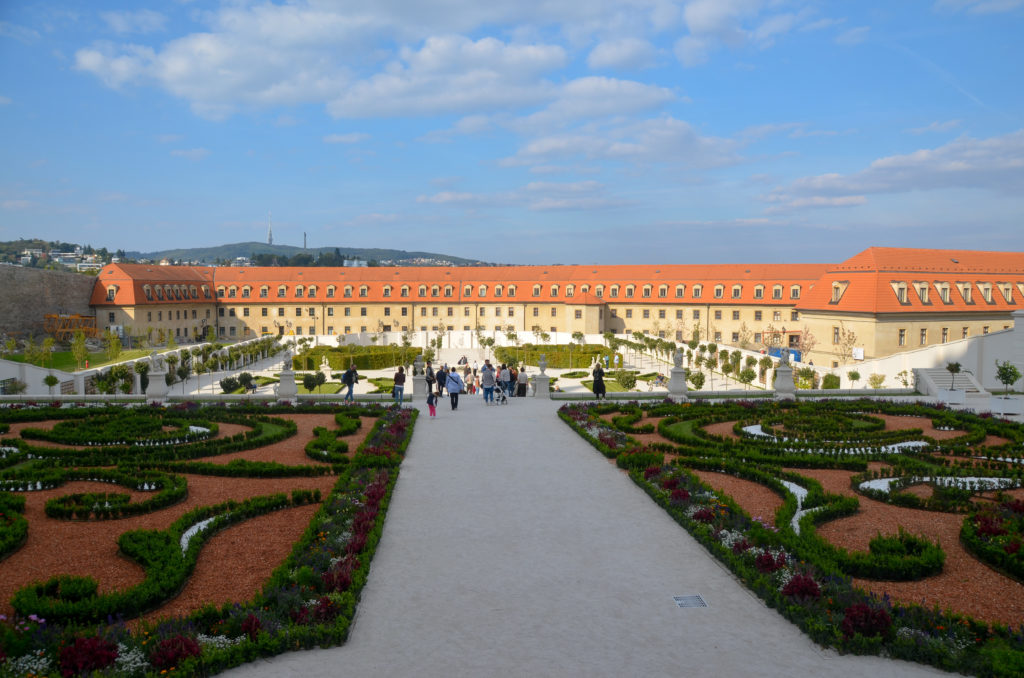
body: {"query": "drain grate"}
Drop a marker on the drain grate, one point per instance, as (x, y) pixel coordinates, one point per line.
(690, 601)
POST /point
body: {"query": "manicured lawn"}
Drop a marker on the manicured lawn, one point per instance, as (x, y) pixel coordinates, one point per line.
(63, 360)
(610, 385)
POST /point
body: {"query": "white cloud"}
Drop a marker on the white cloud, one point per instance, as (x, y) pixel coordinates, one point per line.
(190, 153)
(16, 204)
(19, 33)
(139, 21)
(979, 6)
(995, 164)
(816, 201)
(453, 74)
(5, 101)
(624, 53)
(596, 97)
(936, 126)
(169, 138)
(350, 138)
(662, 140)
(853, 36)
(115, 67)
(537, 196)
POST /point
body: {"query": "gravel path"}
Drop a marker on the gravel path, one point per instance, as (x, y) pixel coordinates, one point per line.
(512, 548)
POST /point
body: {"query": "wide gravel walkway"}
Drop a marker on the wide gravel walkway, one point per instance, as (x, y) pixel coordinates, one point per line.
(513, 548)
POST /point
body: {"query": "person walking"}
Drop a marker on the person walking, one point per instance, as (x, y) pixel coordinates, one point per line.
(432, 404)
(455, 386)
(487, 382)
(598, 387)
(350, 379)
(399, 388)
(466, 374)
(428, 374)
(440, 378)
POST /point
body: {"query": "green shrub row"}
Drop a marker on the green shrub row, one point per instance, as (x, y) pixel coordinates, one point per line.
(168, 489)
(13, 525)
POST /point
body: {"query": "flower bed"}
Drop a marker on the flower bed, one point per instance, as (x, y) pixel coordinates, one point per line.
(61, 625)
(807, 578)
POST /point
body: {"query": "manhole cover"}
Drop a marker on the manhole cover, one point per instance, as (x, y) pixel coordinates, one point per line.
(689, 601)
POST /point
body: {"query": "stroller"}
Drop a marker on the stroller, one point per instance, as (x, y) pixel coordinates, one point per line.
(500, 397)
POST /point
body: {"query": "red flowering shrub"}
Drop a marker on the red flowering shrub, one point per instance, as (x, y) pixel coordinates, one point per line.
(1016, 505)
(251, 626)
(704, 515)
(324, 610)
(767, 563)
(356, 544)
(172, 651)
(339, 577)
(651, 471)
(1012, 547)
(670, 483)
(865, 620)
(679, 495)
(990, 525)
(802, 586)
(741, 546)
(85, 655)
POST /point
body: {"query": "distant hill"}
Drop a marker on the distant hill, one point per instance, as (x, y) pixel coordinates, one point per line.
(384, 257)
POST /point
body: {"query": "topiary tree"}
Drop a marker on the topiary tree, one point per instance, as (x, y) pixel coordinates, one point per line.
(626, 379)
(697, 379)
(876, 380)
(853, 376)
(320, 379)
(746, 375)
(1007, 373)
(142, 369)
(50, 381)
(183, 371)
(830, 381)
(953, 369)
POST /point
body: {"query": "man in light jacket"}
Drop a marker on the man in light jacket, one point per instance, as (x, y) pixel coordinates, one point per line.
(487, 382)
(455, 386)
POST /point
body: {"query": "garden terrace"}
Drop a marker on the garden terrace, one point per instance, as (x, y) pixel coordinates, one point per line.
(774, 490)
(222, 535)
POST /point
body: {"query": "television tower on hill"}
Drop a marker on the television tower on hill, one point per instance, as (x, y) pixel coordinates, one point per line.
(270, 232)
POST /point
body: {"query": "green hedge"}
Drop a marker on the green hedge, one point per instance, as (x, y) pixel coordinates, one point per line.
(557, 355)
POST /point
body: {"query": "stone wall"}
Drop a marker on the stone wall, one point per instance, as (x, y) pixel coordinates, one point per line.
(30, 293)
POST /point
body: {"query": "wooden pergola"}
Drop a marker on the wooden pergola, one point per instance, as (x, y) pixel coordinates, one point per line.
(63, 327)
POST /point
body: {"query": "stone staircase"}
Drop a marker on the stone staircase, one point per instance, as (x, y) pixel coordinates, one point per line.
(932, 380)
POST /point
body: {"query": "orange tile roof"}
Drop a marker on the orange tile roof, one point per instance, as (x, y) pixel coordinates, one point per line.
(868, 278)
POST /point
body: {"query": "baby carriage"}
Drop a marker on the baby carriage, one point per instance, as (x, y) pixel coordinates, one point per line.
(499, 397)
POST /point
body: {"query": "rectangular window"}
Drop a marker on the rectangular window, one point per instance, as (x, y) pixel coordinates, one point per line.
(554, 312)
(647, 314)
(497, 311)
(330, 329)
(280, 312)
(298, 312)
(298, 294)
(348, 329)
(735, 337)
(348, 312)
(245, 312)
(110, 319)
(423, 311)
(405, 311)
(159, 315)
(629, 313)
(902, 339)
(777, 315)
(536, 311)
(465, 311)
(661, 313)
(757, 337)
(757, 316)
(330, 311)
(578, 314)
(679, 314)
(794, 315)
(263, 329)
(511, 312)
(718, 315)
(264, 312)
(963, 335)
(718, 336)
(696, 314)
(735, 315)
(362, 311)
(387, 311)
(298, 331)
(924, 337)
(984, 330)
(149, 316)
(312, 330)
(945, 334)
(835, 335)
(483, 311)
(451, 311)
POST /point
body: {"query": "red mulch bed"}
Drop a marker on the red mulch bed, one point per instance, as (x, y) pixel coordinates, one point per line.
(233, 565)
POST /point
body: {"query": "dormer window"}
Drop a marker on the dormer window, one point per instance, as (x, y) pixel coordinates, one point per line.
(422, 291)
(986, 292)
(160, 293)
(599, 291)
(759, 292)
(467, 291)
(111, 291)
(719, 291)
(698, 290)
(1006, 289)
(921, 288)
(281, 291)
(405, 291)
(964, 288)
(662, 291)
(232, 292)
(630, 289)
(900, 290)
(206, 291)
(737, 291)
(363, 290)
(554, 290)
(246, 292)
(481, 291)
(497, 290)
(570, 290)
(448, 290)
(680, 291)
(435, 290)
(311, 292)
(330, 291)
(348, 292)
(614, 291)
(298, 291)
(776, 291)
(387, 290)
(511, 290)
(646, 292)
(148, 292)
(536, 290)
(794, 292)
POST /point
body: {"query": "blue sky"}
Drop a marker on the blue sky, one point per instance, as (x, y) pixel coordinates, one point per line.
(536, 131)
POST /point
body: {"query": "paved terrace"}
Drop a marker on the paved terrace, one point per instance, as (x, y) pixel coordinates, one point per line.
(512, 548)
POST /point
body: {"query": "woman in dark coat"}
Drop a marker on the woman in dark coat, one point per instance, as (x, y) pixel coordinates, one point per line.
(598, 387)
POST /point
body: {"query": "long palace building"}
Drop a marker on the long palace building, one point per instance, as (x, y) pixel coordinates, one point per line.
(879, 302)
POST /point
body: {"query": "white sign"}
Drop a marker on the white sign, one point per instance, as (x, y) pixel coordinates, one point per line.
(858, 353)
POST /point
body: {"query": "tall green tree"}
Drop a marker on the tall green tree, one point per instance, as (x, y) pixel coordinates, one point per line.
(78, 348)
